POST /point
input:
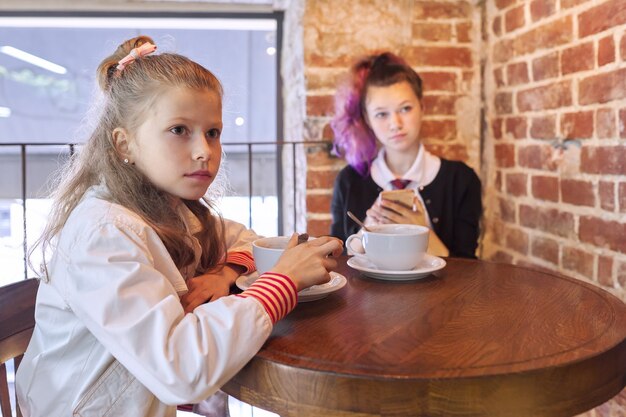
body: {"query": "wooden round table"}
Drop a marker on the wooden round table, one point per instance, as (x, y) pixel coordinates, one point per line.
(473, 339)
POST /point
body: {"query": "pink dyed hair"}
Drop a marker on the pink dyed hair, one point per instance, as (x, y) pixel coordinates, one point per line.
(354, 140)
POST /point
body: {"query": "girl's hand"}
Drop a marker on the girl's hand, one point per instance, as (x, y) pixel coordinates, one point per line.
(394, 212)
(208, 287)
(387, 212)
(308, 264)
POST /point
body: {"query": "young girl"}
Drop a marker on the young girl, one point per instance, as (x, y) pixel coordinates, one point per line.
(380, 105)
(131, 234)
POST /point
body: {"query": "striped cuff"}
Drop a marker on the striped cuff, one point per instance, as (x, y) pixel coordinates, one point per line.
(242, 258)
(276, 292)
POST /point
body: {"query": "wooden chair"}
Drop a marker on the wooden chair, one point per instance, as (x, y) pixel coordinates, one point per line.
(17, 321)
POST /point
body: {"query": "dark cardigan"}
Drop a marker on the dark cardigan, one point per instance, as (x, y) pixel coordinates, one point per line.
(452, 199)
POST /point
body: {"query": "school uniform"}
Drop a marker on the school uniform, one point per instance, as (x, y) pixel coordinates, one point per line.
(449, 190)
(111, 337)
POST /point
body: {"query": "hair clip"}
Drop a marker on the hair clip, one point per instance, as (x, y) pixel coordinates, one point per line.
(138, 52)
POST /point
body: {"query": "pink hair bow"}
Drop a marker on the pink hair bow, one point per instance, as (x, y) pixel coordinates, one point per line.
(138, 52)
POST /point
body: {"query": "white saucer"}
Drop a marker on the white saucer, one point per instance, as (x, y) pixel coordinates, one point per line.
(427, 266)
(316, 292)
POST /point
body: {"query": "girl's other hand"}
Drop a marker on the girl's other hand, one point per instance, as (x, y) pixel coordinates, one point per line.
(308, 263)
(208, 287)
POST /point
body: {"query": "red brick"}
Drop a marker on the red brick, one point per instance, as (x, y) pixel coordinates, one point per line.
(516, 184)
(424, 10)
(496, 26)
(432, 31)
(503, 50)
(603, 233)
(320, 105)
(605, 124)
(516, 126)
(507, 210)
(603, 87)
(535, 157)
(552, 96)
(603, 160)
(578, 192)
(545, 188)
(514, 18)
(542, 8)
(606, 51)
(578, 260)
(566, 4)
(439, 129)
(464, 32)
(435, 81)
(622, 123)
(319, 155)
(543, 127)
(605, 271)
(606, 193)
(549, 35)
(505, 155)
(622, 48)
(320, 179)
(453, 152)
(606, 15)
(497, 75)
(327, 132)
(501, 257)
(504, 103)
(318, 203)
(546, 67)
(317, 227)
(577, 125)
(578, 58)
(496, 127)
(441, 56)
(517, 73)
(503, 4)
(622, 197)
(546, 249)
(517, 240)
(439, 105)
(547, 220)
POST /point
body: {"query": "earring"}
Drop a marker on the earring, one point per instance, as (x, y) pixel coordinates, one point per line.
(125, 160)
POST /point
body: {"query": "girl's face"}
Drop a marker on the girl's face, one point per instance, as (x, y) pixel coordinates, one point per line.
(178, 144)
(394, 113)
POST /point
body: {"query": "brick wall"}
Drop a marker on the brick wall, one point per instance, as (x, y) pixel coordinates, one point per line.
(555, 154)
(439, 39)
(556, 96)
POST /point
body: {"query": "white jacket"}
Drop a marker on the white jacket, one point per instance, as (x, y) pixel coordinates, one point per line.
(111, 337)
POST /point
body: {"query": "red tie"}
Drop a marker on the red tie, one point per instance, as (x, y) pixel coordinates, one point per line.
(399, 184)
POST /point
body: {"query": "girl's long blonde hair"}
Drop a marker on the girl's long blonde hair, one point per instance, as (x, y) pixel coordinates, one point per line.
(128, 94)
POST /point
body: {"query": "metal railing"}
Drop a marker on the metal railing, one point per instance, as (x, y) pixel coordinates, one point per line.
(286, 168)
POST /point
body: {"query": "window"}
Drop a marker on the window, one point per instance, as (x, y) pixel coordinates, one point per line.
(47, 69)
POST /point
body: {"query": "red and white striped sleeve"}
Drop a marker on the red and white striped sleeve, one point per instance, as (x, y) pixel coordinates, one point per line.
(241, 258)
(277, 293)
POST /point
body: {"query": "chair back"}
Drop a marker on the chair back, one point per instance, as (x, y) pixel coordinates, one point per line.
(17, 321)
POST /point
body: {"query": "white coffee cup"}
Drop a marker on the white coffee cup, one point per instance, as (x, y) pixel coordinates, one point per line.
(267, 250)
(393, 247)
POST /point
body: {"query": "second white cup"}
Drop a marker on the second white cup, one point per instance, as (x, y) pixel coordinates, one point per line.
(393, 247)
